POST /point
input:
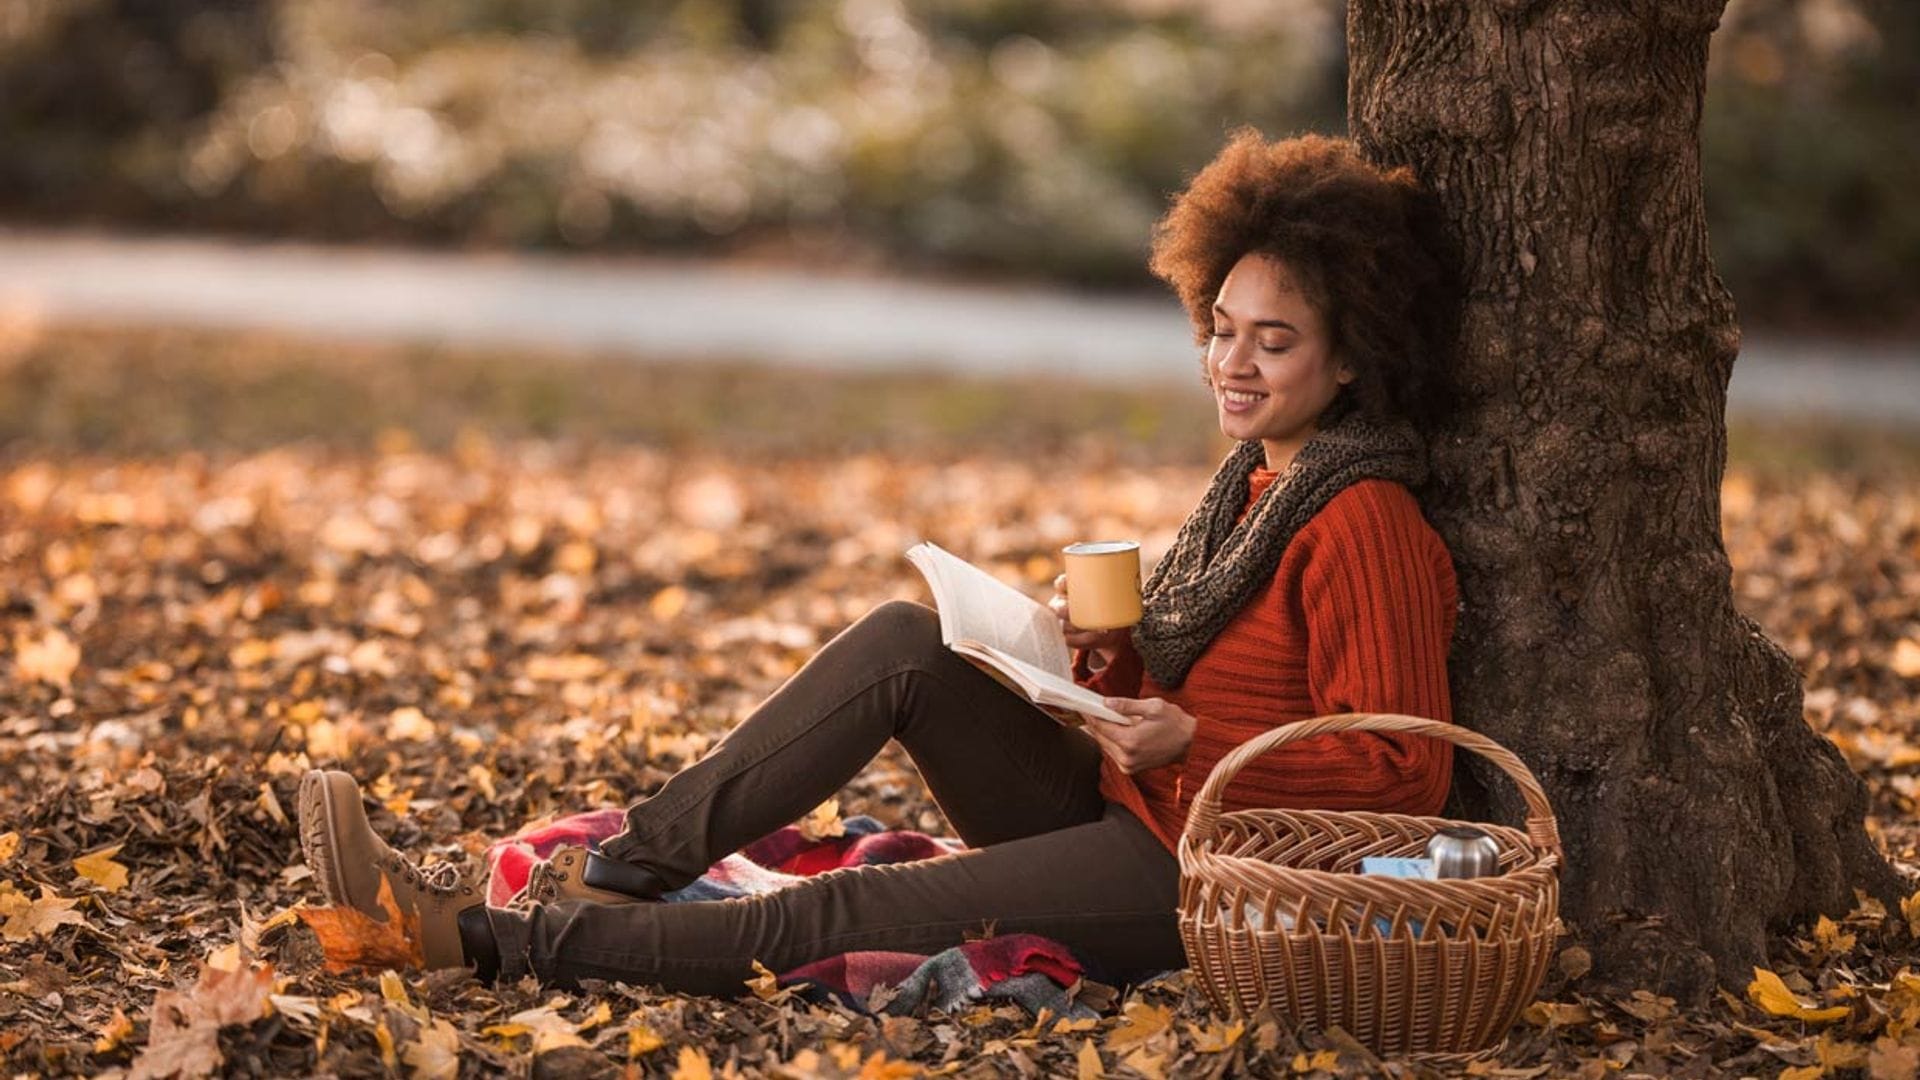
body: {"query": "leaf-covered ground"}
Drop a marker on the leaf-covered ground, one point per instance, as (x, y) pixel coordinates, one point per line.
(493, 630)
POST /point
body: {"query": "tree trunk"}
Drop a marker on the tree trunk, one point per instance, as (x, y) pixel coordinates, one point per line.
(1579, 484)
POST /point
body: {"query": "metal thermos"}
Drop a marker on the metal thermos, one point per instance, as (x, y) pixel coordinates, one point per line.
(1462, 851)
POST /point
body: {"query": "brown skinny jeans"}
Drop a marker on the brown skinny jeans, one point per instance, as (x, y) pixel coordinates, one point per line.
(1047, 854)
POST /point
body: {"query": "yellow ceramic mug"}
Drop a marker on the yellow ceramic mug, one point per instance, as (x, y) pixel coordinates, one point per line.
(1103, 584)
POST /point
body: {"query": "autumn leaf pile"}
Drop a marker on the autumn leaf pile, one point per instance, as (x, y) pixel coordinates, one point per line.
(498, 633)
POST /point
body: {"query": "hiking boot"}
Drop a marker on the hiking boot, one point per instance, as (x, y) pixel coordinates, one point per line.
(350, 861)
(576, 873)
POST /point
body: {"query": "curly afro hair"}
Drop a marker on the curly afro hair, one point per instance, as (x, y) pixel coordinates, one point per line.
(1363, 243)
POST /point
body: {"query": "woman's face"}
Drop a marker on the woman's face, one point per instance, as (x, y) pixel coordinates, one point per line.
(1269, 359)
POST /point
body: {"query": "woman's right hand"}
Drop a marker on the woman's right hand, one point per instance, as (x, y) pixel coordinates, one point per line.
(1104, 643)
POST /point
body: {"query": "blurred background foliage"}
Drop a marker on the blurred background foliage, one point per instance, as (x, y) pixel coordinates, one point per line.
(1027, 138)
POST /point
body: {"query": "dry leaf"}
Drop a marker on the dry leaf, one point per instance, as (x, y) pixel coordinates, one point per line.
(692, 1065)
(1143, 1022)
(1088, 1061)
(409, 724)
(1768, 992)
(351, 939)
(1906, 658)
(1321, 1061)
(183, 1036)
(1830, 939)
(9, 845)
(1150, 1065)
(1891, 1060)
(50, 658)
(1910, 909)
(35, 918)
(435, 1055)
(1217, 1036)
(764, 984)
(117, 1028)
(642, 1040)
(823, 821)
(99, 868)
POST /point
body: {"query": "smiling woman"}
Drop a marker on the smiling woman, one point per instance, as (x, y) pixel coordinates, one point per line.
(1306, 582)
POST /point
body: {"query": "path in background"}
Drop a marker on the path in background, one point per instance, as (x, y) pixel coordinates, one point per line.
(663, 309)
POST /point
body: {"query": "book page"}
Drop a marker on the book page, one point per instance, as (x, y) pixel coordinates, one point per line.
(976, 606)
(1047, 688)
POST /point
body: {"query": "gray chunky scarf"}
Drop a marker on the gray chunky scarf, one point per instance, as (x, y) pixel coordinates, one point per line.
(1216, 566)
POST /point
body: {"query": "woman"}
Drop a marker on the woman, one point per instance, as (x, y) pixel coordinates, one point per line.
(1305, 583)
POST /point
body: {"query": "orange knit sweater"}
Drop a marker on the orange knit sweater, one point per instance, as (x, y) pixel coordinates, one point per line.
(1358, 618)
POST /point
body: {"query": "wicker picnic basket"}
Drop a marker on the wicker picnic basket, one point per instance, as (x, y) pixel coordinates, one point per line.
(1274, 914)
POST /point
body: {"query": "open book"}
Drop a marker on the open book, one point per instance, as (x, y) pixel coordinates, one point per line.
(986, 619)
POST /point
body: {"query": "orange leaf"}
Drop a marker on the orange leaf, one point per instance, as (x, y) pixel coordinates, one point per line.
(350, 938)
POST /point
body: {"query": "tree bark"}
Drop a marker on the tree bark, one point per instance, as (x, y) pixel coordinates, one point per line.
(1578, 486)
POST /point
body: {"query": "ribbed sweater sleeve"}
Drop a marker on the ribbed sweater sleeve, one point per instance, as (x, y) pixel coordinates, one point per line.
(1120, 678)
(1378, 594)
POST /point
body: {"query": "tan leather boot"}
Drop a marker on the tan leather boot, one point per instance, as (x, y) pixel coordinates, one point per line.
(561, 877)
(350, 861)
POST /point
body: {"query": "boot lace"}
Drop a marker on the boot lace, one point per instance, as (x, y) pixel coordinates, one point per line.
(442, 879)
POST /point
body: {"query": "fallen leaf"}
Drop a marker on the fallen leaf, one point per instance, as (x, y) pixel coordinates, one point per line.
(1217, 1036)
(1832, 941)
(1150, 1065)
(823, 821)
(1321, 1061)
(117, 1028)
(350, 938)
(1892, 1060)
(642, 1040)
(692, 1065)
(1768, 992)
(1906, 658)
(100, 868)
(409, 724)
(435, 1054)
(183, 1035)
(9, 844)
(35, 918)
(764, 984)
(1089, 1066)
(50, 658)
(1143, 1022)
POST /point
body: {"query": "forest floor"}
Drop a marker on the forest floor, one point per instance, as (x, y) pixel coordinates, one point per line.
(501, 588)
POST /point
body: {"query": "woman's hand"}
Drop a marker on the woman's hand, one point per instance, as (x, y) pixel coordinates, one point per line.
(1104, 643)
(1159, 735)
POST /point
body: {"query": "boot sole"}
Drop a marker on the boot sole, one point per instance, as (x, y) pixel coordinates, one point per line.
(316, 837)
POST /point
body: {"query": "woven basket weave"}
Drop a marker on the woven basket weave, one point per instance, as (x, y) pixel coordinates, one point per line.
(1274, 913)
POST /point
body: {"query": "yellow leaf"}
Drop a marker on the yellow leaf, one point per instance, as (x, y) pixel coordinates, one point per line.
(764, 984)
(383, 1035)
(1143, 1022)
(50, 658)
(823, 821)
(99, 868)
(1556, 1014)
(435, 1055)
(693, 1065)
(1832, 942)
(1088, 1061)
(35, 918)
(1906, 659)
(1833, 1054)
(1803, 1072)
(225, 958)
(9, 845)
(641, 1040)
(668, 602)
(1321, 1061)
(1217, 1036)
(393, 988)
(879, 1067)
(1152, 1066)
(1910, 907)
(116, 1032)
(1768, 992)
(409, 724)
(600, 1015)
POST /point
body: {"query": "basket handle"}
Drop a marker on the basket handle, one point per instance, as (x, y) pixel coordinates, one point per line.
(1205, 812)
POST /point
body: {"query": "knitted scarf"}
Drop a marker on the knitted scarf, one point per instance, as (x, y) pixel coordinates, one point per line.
(1216, 566)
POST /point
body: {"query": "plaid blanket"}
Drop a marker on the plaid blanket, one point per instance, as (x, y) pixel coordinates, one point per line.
(1032, 971)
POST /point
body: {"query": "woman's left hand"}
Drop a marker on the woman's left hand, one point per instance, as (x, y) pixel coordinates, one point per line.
(1158, 736)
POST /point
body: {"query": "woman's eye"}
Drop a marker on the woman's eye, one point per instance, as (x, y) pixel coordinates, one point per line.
(1221, 334)
(1274, 348)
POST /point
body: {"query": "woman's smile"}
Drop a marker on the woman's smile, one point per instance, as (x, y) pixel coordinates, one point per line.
(1240, 401)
